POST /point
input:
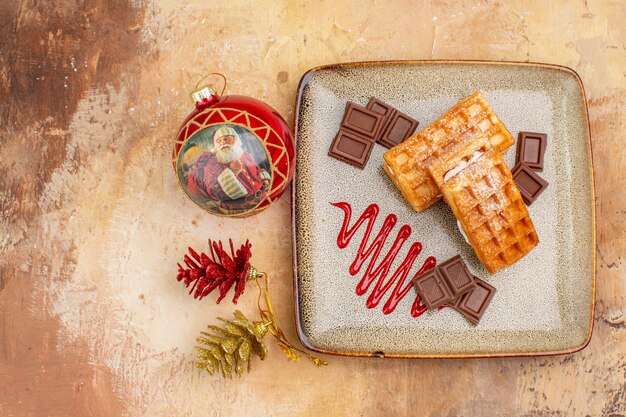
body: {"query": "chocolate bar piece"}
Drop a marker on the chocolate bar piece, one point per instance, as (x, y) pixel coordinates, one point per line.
(457, 276)
(530, 184)
(451, 283)
(362, 120)
(351, 148)
(432, 288)
(397, 126)
(380, 107)
(362, 126)
(531, 148)
(384, 109)
(473, 304)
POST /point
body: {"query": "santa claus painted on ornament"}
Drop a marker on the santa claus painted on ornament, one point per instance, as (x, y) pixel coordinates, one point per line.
(229, 175)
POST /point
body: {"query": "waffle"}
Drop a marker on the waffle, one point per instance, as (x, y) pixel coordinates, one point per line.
(457, 153)
(487, 203)
(407, 163)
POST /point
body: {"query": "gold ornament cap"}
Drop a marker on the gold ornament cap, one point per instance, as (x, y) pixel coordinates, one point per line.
(204, 93)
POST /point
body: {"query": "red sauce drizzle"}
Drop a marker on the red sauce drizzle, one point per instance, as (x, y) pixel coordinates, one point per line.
(372, 272)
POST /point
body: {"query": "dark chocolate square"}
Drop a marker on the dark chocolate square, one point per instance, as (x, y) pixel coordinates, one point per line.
(379, 107)
(530, 184)
(432, 288)
(473, 304)
(531, 149)
(458, 277)
(456, 301)
(362, 120)
(351, 148)
(386, 110)
(398, 129)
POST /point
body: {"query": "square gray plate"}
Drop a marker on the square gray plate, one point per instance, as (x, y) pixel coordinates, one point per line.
(543, 304)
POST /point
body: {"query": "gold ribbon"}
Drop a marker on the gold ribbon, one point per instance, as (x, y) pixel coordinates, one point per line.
(269, 319)
(207, 76)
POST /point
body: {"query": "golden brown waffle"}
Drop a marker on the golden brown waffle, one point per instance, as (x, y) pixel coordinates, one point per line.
(407, 163)
(487, 203)
(456, 153)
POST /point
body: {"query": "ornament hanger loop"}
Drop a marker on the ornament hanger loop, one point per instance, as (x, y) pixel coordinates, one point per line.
(210, 74)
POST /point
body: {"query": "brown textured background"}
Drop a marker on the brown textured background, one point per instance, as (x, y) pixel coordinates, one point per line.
(92, 322)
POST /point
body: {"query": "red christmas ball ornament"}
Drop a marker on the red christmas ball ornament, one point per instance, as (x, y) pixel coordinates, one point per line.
(234, 155)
